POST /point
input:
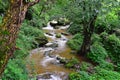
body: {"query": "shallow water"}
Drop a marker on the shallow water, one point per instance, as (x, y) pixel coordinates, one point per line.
(39, 63)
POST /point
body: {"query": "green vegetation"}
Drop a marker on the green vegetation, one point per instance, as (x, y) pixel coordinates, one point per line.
(75, 42)
(94, 25)
(58, 35)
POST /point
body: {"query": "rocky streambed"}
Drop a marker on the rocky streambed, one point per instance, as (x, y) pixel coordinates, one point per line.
(45, 62)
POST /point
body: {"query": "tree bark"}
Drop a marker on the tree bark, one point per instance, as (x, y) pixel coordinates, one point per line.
(88, 31)
(9, 29)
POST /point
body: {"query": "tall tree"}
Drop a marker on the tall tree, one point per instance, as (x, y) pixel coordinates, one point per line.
(9, 28)
(90, 12)
(84, 13)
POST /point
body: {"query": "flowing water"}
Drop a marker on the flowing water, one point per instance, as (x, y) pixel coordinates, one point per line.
(43, 60)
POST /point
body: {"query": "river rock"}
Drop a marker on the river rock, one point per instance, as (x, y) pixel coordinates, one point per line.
(47, 53)
(53, 23)
(40, 41)
(49, 76)
(52, 45)
(62, 60)
(64, 33)
(50, 34)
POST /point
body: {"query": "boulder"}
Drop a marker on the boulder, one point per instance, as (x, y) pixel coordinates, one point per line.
(40, 41)
(52, 45)
(62, 60)
(59, 22)
(53, 23)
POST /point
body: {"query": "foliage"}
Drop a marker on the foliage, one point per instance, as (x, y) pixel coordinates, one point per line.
(15, 70)
(71, 63)
(79, 76)
(75, 42)
(75, 28)
(102, 74)
(97, 53)
(112, 45)
(84, 66)
(107, 22)
(74, 76)
(106, 65)
(99, 74)
(26, 38)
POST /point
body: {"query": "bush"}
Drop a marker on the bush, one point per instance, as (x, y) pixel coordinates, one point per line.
(75, 28)
(71, 63)
(107, 22)
(102, 74)
(106, 65)
(97, 53)
(79, 76)
(75, 42)
(15, 70)
(112, 45)
(85, 66)
(74, 76)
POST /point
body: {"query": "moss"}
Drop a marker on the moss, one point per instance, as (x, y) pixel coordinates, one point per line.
(58, 35)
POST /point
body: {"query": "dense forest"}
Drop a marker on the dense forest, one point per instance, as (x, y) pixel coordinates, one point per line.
(59, 39)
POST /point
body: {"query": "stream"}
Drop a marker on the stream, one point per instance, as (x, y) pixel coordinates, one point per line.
(43, 61)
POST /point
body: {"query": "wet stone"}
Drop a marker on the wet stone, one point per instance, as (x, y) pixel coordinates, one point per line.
(52, 45)
(50, 34)
(48, 76)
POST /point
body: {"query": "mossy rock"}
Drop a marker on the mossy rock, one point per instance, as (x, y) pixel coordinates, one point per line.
(63, 21)
(40, 41)
(58, 35)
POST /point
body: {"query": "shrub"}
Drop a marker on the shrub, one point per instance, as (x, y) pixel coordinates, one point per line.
(106, 65)
(15, 70)
(97, 53)
(102, 74)
(71, 63)
(75, 42)
(75, 28)
(74, 76)
(79, 76)
(112, 45)
(84, 66)
(107, 22)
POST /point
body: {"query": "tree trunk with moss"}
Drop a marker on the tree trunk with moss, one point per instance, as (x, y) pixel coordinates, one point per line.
(88, 31)
(9, 29)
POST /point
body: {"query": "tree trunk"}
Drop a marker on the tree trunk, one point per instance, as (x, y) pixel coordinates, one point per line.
(9, 29)
(88, 31)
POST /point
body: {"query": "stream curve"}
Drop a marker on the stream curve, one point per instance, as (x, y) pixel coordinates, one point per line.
(43, 61)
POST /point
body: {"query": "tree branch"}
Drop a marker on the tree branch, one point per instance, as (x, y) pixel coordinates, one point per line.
(33, 3)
